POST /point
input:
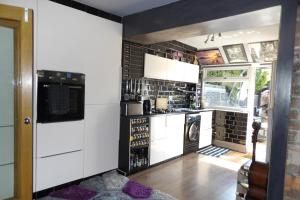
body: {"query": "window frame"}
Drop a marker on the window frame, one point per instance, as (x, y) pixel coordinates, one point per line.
(246, 79)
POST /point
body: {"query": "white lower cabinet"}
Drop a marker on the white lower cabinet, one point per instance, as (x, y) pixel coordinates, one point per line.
(101, 138)
(205, 137)
(166, 132)
(59, 169)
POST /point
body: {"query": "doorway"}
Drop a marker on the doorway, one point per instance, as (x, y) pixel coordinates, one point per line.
(15, 103)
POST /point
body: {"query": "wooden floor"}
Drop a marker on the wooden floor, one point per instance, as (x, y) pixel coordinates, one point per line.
(196, 177)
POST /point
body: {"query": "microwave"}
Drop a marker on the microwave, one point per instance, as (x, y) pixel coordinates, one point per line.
(131, 108)
(60, 96)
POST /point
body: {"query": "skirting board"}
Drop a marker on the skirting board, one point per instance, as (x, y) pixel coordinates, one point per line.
(230, 145)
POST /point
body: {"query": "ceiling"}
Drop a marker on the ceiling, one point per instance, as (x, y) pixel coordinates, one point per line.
(125, 7)
(257, 34)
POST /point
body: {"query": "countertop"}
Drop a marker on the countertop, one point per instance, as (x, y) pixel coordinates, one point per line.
(184, 112)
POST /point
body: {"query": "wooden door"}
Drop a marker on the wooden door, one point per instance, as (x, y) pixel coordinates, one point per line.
(16, 103)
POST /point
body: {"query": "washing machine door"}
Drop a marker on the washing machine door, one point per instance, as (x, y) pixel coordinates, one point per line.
(193, 134)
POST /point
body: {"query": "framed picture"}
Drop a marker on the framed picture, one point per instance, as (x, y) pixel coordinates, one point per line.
(210, 57)
(264, 51)
(235, 53)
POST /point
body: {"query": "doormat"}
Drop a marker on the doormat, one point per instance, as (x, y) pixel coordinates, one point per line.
(213, 151)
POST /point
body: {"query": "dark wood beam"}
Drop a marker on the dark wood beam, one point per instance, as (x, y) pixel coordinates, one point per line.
(187, 12)
(282, 98)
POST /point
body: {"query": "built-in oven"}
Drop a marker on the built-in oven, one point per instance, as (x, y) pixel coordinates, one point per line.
(60, 96)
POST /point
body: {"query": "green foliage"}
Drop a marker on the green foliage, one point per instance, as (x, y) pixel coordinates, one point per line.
(261, 80)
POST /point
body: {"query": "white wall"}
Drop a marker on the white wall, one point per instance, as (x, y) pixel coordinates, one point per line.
(67, 39)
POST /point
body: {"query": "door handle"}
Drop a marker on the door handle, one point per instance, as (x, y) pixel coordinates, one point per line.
(27, 120)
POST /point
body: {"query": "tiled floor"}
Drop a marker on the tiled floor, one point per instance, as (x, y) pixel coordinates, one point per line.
(196, 177)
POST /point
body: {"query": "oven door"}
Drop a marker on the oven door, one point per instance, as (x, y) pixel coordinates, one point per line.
(60, 102)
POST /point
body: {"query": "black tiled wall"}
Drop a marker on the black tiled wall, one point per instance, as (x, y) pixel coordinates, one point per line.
(133, 69)
(230, 126)
(133, 55)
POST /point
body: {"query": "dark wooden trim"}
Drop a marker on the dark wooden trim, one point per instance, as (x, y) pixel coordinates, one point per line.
(188, 12)
(282, 100)
(89, 9)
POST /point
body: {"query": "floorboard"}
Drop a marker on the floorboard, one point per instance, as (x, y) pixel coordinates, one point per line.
(196, 177)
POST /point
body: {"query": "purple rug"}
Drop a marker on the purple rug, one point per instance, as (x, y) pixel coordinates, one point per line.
(137, 190)
(74, 193)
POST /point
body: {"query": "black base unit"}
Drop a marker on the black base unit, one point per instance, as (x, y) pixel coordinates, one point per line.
(134, 144)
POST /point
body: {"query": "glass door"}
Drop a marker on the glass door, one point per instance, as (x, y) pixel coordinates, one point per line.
(7, 122)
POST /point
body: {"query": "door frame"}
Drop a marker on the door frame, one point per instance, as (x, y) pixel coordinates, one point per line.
(21, 20)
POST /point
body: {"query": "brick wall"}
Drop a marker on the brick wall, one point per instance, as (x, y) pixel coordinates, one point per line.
(292, 182)
(133, 69)
(230, 126)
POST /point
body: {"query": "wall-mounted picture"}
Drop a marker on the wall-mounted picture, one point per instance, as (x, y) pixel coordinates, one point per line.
(235, 53)
(210, 57)
(264, 51)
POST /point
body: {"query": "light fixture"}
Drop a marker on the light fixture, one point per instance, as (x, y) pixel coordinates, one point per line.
(212, 38)
(207, 39)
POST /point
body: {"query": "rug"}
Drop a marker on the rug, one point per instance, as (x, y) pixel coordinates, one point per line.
(213, 151)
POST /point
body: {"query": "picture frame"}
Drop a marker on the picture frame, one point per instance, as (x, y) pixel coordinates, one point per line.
(210, 57)
(265, 51)
(235, 53)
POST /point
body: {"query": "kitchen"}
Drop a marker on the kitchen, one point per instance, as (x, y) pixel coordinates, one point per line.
(166, 110)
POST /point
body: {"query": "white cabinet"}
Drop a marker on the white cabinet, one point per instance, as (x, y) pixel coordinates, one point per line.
(101, 138)
(166, 132)
(175, 132)
(57, 138)
(59, 169)
(156, 67)
(191, 73)
(163, 68)
(205, 138)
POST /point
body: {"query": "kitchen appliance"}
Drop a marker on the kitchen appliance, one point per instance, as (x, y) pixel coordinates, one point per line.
(134, 144)
(191, 132)
(147, 107)
(60, 96)
(131, 108)
(161, 104)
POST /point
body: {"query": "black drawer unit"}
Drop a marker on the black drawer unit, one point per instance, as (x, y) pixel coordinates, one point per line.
(134, 144)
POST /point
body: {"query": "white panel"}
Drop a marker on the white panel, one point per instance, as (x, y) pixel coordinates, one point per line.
(102, 60)
(60, 39)
(158, 127)
(158, 151)
(6, 76)
(6, 181)
(6, 145)
(205, 138)
(62, 137)
(175, 131)
(60, 169)
(156, 67)
(191, 73)
(206, 120)
(175, 71)
(101, 141)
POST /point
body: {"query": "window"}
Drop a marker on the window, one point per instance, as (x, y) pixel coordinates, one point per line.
(226, 87)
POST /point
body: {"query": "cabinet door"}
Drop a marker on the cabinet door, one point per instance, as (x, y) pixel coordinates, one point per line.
(205, 138)
(101, 138)
(191, 73)
(206, 120)
(175, 132)
(175, 71)
(60, 169)
(158, 151)
(158, 128)
(155, 67)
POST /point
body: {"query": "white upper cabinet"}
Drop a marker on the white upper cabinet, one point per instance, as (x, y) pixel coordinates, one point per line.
(156, 67)
(191, 73)
(166, 69)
